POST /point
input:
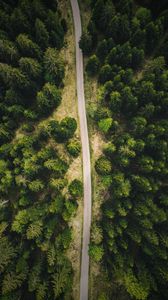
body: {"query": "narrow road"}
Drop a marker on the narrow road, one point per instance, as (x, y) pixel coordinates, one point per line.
(85, 154)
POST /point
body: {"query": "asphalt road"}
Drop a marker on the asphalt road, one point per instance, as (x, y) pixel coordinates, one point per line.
(85, 154)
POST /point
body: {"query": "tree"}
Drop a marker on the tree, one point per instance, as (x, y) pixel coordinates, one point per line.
(102, 113)
(129, 101)
(8, 252)
(64, 130)
(42, 35)
(103, 166)
(92, 65)
(13, 97)
(105, 73)
(138, 38)
(96, 252)
(8, 52)
(115, 101)
(48, 98)
(138, 125)
(74, 147)
(137, 58)
(144, 16)
(34, 230)
(31, 68)
(58, 166)
(76, 188)
(146, 164)
(141, 183)
(55, 28)
(152, 35)
(107, 13)
(119, 28)
(109, 149)
(97, 11)
(27, 47)
(18, 22)
(121, 187)
(105, 124)
(70, 210)
(86, 43)
(102, 49)
(57, 184)
(36, 185)
(61, 280)
(13, 77)
(54, 66)
(125, 7)
(20, 221)
(96, 234)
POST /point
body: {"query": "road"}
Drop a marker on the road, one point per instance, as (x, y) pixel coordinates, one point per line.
(85, 154)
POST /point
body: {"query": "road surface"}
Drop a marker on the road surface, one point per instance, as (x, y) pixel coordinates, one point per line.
(85, 154)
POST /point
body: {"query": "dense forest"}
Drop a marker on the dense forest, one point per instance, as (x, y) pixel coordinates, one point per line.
(126, 44)
(36, 199)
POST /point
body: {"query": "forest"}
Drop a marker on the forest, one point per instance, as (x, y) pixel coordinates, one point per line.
(126, 50)
(36, 199)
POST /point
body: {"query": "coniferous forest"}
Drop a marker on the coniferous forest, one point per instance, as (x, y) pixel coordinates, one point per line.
(34, 210)
(126, 46)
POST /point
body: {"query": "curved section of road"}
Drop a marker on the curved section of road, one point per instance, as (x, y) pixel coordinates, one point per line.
(85, 154)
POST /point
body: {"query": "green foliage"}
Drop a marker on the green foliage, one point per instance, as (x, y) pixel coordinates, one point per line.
(96, 252)
(86, 43)
(74, 147)
(58, 166)
(133, 94)
(34, 230)
(64, 130)
(103, 166)
(13, 77)
(30, 67)
(21, 219)
(121, 186)
(7, 252)
(54, 66)
(115, 101)
(105, 73)
(58, 183)
(36, 186)
(32, 205)
(143, 15)
(27, 47)
(8, 52)
(76, 188)
(61, 280)
(48, 98)
(96, 234)
(105, 124)
(138, 290)
(92, 65)
(42, 35)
